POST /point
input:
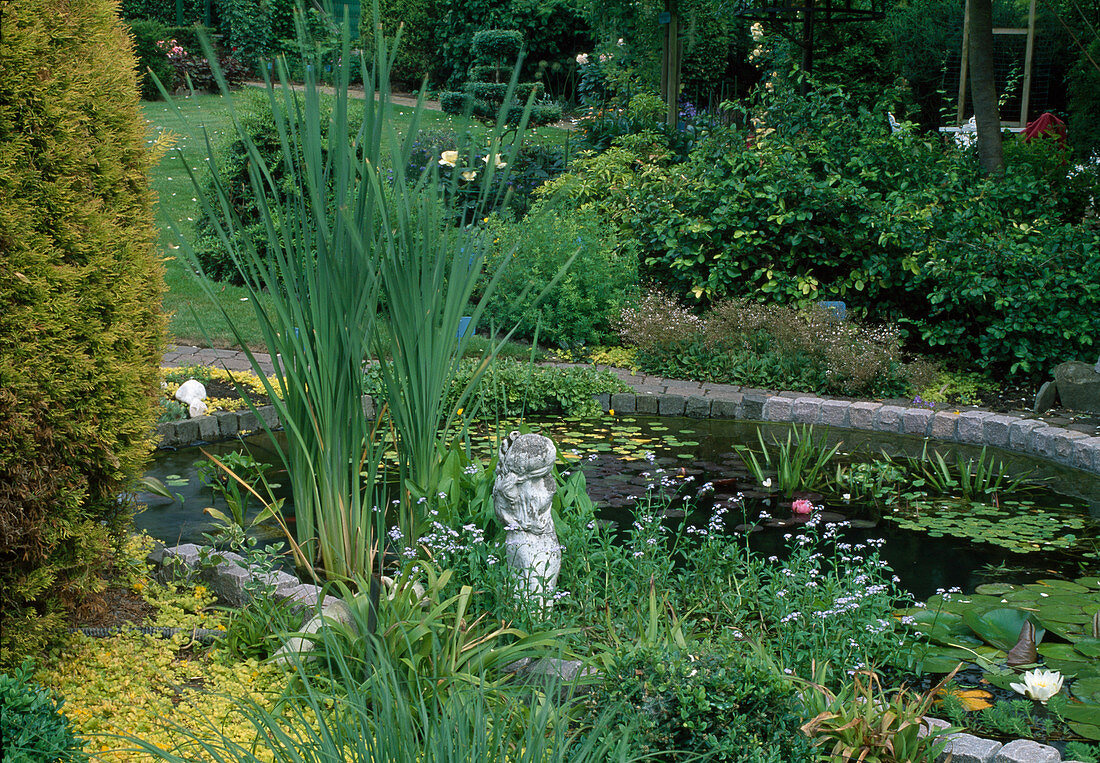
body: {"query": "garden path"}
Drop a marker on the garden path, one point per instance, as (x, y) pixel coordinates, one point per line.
(643, 384)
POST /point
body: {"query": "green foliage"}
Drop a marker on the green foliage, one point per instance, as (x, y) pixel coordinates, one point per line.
(1084, 103)
(1083, 751)
(799, 462)
(902, 228)
(497, 47)
(711, 700)
(32, 726)
(164, 12)
(771, 346)
(150, 58)
(258, 31)
(419, 54)
(582, 306)
(80, 325)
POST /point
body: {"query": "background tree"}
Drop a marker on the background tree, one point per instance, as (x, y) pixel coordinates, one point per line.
(983, 86)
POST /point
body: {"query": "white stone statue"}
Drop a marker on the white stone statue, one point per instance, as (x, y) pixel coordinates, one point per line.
(192, 394)
(522, 496)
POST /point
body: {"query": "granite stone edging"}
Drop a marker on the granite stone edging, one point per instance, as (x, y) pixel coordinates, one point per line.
(1007, 431)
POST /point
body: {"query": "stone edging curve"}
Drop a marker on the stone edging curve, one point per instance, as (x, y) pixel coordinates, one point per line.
(1011, 432)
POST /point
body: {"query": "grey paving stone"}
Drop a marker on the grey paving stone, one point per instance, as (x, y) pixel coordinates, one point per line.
(806, 410)
(834, 413)
(247, 421)
(604, 400)
(227, 424)
(861, 415)
(1063, 445)
(671, 405)
(752, 406)
(916, 421)
(697, 407)
(943, 426)
(229, 582)
(726, 409)
(673, 387)
(646, 404)
(721, 390)
(1021, 434)
(1086, 454)
(995, 430)
(971, 426)
(623, 402)
(166, 434)
(1042, 441)
(187, 432)
(208, 428)
(888, 418)
(1026, 751)
(967, 748)
(778, 409)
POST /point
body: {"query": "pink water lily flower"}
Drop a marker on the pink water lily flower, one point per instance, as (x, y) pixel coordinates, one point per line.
(801, 507)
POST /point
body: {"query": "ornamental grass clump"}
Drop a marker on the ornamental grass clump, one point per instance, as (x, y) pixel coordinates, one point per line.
(354, 262)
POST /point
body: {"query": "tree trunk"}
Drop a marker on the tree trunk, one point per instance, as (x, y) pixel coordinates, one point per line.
(983, 88)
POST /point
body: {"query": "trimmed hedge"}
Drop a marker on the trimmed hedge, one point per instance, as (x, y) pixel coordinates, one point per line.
(81, 330)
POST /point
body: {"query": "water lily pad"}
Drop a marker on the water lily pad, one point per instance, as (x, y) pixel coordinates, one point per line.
(999, 627)
(1088, 646)
(1087, 690)
(1064, 585)
(1087, 730)
(995, 589)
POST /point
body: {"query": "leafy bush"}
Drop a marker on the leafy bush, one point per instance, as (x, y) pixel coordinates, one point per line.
(81, 330)
(771, 346)
(419, 54)
(257, 32)
(32, 727)
(193, 70)
(150, 58)
(580, 308)
(995, 272)
(194, 11)
(716, 702)
(1084, 103)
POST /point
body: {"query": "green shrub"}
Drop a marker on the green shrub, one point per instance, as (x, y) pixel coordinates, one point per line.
(150, 58)
(1084, 103)
(715, 702)
(769, 346)
(256, 32)
(581, 307)
(419, 54)
(994, 272)
(194, 11)
(81, 330)
(32, 727)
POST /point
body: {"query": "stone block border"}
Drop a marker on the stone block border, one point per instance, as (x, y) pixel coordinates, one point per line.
(1010, 432)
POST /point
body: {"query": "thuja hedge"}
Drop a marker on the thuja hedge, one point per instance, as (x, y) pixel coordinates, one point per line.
(998, 272)
(80, 324)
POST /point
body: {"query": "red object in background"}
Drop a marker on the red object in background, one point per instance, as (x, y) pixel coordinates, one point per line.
(1046, 125)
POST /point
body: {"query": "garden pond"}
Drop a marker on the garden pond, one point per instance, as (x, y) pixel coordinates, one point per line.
(944, 527)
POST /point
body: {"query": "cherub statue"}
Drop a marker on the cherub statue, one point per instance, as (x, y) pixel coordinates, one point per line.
(522, 496)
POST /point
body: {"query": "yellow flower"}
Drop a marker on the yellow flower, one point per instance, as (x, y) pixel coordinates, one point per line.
(459, 411)
(495, 158)
(611, 411)
(469, 175)
(448, 159)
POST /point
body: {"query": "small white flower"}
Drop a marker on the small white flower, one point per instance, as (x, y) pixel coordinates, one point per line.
(767, 482)
(1040, 684)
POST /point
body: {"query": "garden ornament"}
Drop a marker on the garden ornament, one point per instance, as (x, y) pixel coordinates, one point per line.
(192, 394)
(522, 496)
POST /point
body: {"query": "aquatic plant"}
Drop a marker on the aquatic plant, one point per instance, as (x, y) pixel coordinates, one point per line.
(799, 462)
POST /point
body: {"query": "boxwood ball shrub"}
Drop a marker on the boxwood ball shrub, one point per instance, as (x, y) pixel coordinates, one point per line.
(32, 726)
(81, 331)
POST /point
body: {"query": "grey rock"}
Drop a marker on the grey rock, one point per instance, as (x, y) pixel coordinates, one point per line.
(1086, 454)
(185, 553)
(752, 406)
(166, 434)
(1021, 434)
(229, 583)
(967, 748)
(778, 409)
(995, 430)
(646, 403)
(368, 406)
(806, 410)
(697, 407)
(972, 426)
(1046, 397)
(1042, 441)
(208, 428)
(305, 597)
(269, 416)
(862, 415)
(247, 421)
(726, 409)
(1026, 751)
(888, 418)
(834, 413)
(944, 426)
(1078, 386)
(916, 421)
(671, 405)
(623, 402)
(227, 424)
(187, 432)
(604, 400)
(1064, 442)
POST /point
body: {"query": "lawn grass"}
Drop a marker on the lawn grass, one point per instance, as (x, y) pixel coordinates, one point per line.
(193, 318)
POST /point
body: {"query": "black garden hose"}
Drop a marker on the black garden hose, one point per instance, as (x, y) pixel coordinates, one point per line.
(202, 635)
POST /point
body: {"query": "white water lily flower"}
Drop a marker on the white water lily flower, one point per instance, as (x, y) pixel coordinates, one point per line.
(448, 159)
(1040, 684)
